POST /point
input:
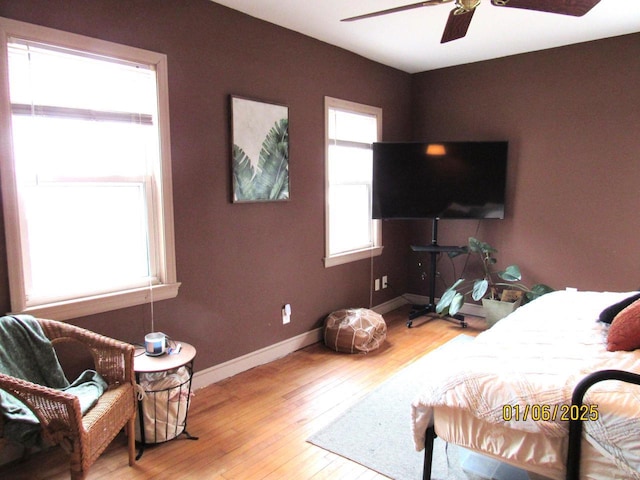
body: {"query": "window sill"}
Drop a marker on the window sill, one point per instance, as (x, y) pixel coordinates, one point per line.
(352, 256)
(102, 303)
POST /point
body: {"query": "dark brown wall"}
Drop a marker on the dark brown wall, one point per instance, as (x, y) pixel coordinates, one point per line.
(239, 264)
(572, 117)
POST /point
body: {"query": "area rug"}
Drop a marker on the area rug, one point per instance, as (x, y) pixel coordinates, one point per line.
(376, 432)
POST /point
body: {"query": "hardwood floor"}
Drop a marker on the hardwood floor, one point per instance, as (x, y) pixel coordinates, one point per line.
(254, 425)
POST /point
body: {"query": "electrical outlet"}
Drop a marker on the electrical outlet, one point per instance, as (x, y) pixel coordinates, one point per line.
(384, 282)
(376, 284)
(286, 314)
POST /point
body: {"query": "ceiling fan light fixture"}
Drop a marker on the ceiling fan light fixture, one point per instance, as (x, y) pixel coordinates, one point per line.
(467, 5)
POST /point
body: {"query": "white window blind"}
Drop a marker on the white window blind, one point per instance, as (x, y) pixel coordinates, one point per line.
(88, 175)
(351, 131)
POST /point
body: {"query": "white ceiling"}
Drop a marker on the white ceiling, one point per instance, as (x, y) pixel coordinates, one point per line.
(410, 40)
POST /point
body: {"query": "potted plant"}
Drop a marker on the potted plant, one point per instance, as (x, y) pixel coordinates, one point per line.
(494, 288)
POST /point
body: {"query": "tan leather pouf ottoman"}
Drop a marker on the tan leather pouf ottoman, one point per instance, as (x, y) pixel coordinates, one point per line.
(354, 330)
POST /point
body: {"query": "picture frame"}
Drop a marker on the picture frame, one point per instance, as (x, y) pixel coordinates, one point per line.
(260, 150)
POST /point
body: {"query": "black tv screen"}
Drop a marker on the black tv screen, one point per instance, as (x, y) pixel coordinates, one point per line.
(463, 180)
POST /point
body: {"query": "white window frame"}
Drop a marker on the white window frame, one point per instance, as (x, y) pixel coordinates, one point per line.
(330, 259)
(165, 285)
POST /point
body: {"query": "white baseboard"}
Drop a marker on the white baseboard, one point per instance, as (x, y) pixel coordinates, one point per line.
(268, 354)
(392, 304)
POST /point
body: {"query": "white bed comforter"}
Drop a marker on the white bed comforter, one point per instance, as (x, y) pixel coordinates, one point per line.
(530, 363)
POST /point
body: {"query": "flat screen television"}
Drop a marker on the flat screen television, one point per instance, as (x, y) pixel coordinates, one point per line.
(464, 180)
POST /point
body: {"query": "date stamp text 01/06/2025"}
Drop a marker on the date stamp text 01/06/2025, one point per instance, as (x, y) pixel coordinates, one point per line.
(549, 413)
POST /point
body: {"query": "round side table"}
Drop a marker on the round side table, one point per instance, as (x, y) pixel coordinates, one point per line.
(144, 364)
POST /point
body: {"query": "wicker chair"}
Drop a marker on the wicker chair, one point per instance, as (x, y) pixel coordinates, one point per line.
(83, 438)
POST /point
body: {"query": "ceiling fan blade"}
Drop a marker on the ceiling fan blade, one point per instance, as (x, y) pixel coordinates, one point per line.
(576, 8)
(457, 24)
(427, 3)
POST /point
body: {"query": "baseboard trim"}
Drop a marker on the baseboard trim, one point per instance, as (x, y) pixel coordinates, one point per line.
(268, 354)
(392, 304)
(273, 352)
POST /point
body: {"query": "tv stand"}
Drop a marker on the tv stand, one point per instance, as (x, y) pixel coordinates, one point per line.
(434, 250)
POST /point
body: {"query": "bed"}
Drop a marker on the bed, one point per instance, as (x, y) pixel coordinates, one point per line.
(507, 394)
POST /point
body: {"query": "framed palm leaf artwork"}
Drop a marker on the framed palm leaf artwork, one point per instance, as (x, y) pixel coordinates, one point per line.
(260, 150)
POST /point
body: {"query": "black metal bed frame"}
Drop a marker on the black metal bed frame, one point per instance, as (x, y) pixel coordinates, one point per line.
(575, 424)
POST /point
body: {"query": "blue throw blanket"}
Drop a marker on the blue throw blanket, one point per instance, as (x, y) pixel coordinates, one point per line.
(26, 353)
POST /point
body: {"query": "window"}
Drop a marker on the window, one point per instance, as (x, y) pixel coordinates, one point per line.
(86, 178)
(351, 129)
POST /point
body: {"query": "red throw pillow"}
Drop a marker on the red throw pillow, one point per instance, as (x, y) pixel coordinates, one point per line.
(624, 333)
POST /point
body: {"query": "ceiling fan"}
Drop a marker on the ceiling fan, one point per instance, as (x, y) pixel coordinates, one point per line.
(460, 17)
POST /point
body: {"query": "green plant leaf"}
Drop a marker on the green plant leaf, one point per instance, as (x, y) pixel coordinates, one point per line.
(463, 251)
(272, 181)
(243, 174)
(476, 246)
(538, 290)
(445, 300)
(511, 274)
(456, 304)
(479, 289)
